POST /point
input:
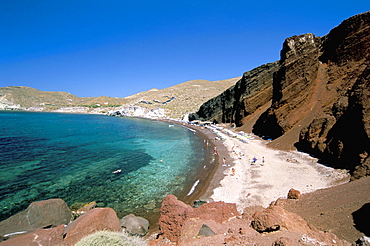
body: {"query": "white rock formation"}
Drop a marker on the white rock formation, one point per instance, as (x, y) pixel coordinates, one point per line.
(137, 111)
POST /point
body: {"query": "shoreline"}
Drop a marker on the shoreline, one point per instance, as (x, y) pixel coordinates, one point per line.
(212, 179)
(206, 177)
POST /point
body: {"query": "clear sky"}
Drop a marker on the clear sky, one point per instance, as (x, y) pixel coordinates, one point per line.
(121, 47)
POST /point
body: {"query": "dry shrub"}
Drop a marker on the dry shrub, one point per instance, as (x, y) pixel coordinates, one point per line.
(108, 238)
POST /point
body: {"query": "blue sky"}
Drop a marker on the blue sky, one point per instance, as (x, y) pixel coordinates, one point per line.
(118, 48)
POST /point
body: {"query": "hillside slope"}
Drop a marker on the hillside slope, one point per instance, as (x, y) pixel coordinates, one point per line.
(343, 210)
(181, 99)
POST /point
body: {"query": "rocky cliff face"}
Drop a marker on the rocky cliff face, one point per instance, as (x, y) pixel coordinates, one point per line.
(340, 133)
(320, 96)
(322, 88)
(293, 85)
(252, 91)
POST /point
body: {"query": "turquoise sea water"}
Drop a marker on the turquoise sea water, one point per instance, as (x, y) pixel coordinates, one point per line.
(72, 156)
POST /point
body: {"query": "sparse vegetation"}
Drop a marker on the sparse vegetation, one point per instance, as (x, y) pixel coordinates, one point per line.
(107, 238)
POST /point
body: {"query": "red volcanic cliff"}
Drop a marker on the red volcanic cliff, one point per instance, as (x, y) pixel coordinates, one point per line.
(319, 93)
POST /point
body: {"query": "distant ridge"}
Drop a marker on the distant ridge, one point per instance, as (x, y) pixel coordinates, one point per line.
(184, 98)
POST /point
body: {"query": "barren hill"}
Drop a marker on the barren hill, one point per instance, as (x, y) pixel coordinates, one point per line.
(183, 98)
(176, 100)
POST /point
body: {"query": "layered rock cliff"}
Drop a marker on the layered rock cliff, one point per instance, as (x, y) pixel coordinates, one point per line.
(319, 96)
(339, 134)
(252, 91)
(322, 89)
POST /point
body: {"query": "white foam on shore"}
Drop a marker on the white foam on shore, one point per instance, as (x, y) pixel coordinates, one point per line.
(189, 129)
(15, 233)
(193, 188)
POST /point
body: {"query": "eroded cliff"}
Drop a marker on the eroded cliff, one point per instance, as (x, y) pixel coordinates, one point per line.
(322, 90)
(320, 97)
(251, 92)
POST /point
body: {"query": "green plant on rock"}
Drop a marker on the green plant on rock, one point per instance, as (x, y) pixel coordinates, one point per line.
(108, 238)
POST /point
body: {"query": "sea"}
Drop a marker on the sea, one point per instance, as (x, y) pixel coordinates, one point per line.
(74, 156)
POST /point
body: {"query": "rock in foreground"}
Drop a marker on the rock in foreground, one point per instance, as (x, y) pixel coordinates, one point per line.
(41, 214)
(219, 223)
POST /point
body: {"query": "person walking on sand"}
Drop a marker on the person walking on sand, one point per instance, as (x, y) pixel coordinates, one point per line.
(263, 161)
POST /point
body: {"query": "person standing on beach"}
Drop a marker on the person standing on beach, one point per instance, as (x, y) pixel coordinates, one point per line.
(215, 152)
(263, 161)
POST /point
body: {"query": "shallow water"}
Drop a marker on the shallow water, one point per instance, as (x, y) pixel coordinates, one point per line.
(72, 156)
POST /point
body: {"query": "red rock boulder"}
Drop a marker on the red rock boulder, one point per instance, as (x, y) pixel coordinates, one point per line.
(97, 219)
(47, 237)
(172, 218)
(216, 211)
(175, 213)
(275, 218)
(46, 213)
(294, 194)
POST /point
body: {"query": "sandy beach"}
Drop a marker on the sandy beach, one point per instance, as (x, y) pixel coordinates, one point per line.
(248, 184)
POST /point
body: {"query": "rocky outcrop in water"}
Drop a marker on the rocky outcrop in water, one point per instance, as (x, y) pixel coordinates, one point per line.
(252, 91)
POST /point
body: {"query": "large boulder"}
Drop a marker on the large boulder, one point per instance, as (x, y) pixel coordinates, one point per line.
(47, 237)
(173, 216)
(97, 219)
(175, 213)
(135, 225)
(294, 194)
(275, 218)
(42, 214)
